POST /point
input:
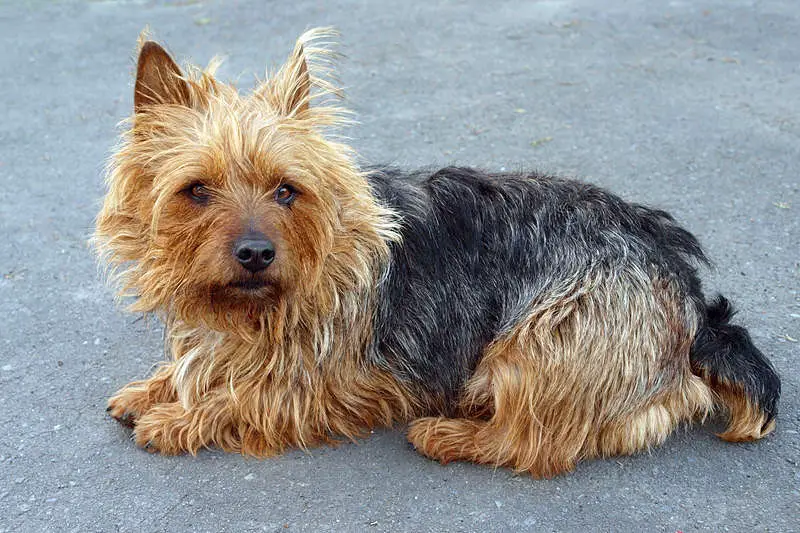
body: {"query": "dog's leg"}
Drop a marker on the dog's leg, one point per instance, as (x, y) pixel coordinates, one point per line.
(690, 399)
(135, 399)
(551, 441)
(531, 420)
(522, 432)
(259, 422)
(587, 374)
(171, 429)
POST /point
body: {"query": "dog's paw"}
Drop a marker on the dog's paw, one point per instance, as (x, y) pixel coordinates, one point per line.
(128, 404)
(135, 399)
(165, 429)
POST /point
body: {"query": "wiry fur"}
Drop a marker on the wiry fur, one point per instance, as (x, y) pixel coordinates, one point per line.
(275, 356)
(518, 320)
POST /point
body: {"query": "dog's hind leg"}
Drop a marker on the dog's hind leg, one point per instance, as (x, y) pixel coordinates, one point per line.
(601, 369)
(545, 422)
(530, 427)
(650, 426)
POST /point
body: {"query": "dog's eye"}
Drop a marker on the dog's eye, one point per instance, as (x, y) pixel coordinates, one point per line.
(285, 194)
(198, 193)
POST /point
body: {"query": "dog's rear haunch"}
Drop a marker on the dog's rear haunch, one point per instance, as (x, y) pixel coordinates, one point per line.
(520, 320)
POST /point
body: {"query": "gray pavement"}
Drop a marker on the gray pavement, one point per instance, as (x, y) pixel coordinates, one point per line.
(690, 105)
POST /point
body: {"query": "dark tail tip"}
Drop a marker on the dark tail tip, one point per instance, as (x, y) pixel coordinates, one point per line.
(719, 312)
(743, 379)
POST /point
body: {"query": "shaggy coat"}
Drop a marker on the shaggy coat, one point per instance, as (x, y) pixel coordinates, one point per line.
(510, 319)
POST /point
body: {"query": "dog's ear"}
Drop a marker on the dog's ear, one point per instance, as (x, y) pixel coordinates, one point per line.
(159, 79)
(292, 85)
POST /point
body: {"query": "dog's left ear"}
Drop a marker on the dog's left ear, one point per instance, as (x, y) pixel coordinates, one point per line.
(292, 85)
(159, 79)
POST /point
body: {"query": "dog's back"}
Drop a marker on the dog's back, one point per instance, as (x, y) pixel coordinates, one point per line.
(609, 288)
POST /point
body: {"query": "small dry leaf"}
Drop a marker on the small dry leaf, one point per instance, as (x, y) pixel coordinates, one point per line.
(539, 142)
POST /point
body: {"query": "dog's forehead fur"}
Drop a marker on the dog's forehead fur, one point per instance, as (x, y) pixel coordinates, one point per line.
(232, 146)
(209, 130)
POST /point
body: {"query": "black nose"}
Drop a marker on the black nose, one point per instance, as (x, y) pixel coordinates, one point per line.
(254, 251)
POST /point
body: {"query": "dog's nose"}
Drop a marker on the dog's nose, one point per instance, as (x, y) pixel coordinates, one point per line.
(254, 251)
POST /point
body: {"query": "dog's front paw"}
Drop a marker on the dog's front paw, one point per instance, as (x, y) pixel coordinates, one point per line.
(129, 403)
(166, 429)
(133, 400)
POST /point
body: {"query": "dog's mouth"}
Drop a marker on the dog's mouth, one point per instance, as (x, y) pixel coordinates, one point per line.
(246, 290)
(249, 285)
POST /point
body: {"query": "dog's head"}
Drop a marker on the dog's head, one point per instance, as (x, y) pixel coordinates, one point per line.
(225, 207)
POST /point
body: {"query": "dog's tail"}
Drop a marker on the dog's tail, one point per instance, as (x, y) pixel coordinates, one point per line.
(744, 381)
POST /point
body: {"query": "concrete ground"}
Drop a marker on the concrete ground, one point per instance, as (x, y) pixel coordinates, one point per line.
(689, 105)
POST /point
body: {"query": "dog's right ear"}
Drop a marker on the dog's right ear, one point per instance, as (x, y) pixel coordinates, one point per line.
(159, 79)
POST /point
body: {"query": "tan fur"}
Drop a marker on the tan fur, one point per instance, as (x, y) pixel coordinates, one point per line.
(246, 376)
(583, 376)
(136, 398)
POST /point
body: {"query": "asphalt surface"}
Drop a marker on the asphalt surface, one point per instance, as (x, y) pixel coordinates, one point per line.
(689, 105)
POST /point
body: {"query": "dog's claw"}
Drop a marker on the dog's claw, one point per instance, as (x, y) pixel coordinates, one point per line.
(126, 419)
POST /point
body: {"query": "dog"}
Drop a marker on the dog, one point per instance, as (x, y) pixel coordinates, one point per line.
(517, 320)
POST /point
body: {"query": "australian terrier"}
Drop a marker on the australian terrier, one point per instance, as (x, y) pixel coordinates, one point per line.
(520, 320)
